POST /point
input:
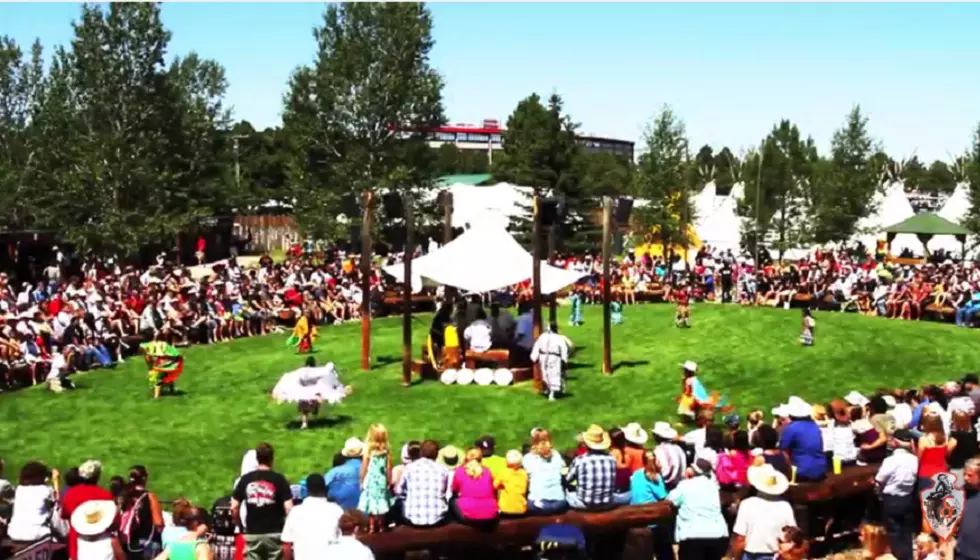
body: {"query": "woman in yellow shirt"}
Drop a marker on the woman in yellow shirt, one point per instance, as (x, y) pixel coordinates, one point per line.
(511, 485)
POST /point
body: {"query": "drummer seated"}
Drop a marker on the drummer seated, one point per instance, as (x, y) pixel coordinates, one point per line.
(479, 334)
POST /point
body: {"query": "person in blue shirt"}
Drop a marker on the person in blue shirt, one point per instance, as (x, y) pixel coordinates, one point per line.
(524, 332)
(646, 487)
(344, 479)
(964, 315)
(802, 441)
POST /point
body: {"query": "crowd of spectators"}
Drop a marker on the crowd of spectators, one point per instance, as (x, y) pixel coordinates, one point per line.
(374, 484)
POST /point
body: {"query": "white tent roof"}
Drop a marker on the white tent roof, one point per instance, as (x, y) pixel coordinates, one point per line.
(484, 258)
(957, 205)
(892, 207)
(718, 225)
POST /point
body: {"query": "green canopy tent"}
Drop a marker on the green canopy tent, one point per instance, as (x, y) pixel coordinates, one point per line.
(926, 225)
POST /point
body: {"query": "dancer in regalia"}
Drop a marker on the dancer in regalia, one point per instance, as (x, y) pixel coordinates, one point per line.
(551, 352)
(309, 386)
(165, 363)
(304, 334)
(694, 396)
(575, 319)
(682, 295)
(806, 337)
(616, 312)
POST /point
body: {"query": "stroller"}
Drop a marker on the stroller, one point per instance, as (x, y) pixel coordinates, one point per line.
(561, 542)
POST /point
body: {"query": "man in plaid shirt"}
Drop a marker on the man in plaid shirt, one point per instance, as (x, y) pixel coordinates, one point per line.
(423, 485)
(594, 473)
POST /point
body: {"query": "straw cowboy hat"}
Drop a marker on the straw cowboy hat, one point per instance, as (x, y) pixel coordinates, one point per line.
(596, 438)
(664, 430)
(634, 433)
(93, 517)
(353, 447)
(767, 480)
(690, 366)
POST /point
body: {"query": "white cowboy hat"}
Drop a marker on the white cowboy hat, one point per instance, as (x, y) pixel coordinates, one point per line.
(664, 430)
(634, 433)
(465, 376)
(449, 376)
(503, 376)
(768, 480)
(705, 455)
(890, 401)
(856, 399)
(781, 411)
(353, 447)
(690, 366)
(798, 408)
(483, 376)
(93, 517)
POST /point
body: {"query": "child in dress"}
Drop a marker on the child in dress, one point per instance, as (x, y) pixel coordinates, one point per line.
(375, 500)
(808, 323)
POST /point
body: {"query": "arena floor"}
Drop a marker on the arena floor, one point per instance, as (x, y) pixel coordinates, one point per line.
(192, 443)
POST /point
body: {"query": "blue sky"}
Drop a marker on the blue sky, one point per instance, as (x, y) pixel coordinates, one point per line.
(729, 70)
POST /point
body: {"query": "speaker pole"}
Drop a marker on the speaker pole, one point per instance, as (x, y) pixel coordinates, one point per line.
(407, 294)
(607, 225)
(366, 282)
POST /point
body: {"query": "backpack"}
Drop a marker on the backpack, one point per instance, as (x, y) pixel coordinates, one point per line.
(129, 525)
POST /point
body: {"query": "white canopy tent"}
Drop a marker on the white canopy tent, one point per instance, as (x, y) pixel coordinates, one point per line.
(484, 258)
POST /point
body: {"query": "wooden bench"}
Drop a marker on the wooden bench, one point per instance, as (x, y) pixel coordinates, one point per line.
(853, 482)
(499, 357)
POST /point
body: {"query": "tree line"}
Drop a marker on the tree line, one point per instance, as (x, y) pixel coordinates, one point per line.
(114, 148)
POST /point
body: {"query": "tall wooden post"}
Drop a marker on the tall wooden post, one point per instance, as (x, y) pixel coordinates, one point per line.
(607, 226)
(447, 217)
(552, 249)
(536, 260)
(407, 294)
(366, 251)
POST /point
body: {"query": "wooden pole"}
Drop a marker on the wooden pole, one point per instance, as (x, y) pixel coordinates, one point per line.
(407, 294)
(536, 260)
(607, 217)
(447, 217)
(552, 248)
(366, 282)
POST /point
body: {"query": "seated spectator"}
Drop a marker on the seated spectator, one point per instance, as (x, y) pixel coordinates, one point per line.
(193, 543)
(842, 437)
(700, 529)
(617, 450)
(646, 484)
(423, 487)
(768, 442)
(487, 445)
(346, 545)
(344, 480)
(475, 500)
(544, 471)
(803, 443)
(35, 505)
(311, 526)
(793, 545)
(511, 486)
(593, 474)
(696, 437)
(92, 521)
(449, 458)
(85, 491)
(762, 518)
(733, 463)
(669, 453)
(410, 452)
(966, 446)
(871, 442)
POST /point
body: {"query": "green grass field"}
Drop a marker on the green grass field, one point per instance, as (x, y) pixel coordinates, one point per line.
(192, 444)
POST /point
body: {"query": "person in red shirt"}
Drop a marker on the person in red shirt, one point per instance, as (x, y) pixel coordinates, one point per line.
(682, 295)
(87, 490)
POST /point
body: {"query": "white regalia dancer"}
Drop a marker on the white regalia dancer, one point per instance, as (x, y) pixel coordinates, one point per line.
(309, 386)
(551, 353)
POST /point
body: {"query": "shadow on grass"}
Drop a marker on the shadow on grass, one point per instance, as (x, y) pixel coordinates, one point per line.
(321, 422)
(384, 361)
(630, 364)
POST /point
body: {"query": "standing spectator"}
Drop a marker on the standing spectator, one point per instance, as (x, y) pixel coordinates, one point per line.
(142, 517)
(87, 490)
(423, 488)
(311, 526)
(968, 538)
(932, 449)
(92, 522)
(802, 442)
(896, 481)
(344, 481)
(267, 499)
(375, 500)
(593, 473)
(700, 529)
(544, 471)
(761, 518)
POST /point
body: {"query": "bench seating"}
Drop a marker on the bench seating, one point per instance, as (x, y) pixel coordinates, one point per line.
(853, 482)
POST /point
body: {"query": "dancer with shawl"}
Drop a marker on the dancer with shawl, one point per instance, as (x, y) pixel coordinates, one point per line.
(575, 319)
(616, 312)
(806, 337)
(304, 334)
(165, 363)
(551, 352)
(694, 396)
(309, 386)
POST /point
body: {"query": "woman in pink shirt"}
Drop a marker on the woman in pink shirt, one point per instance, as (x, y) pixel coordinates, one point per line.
(475, 501)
